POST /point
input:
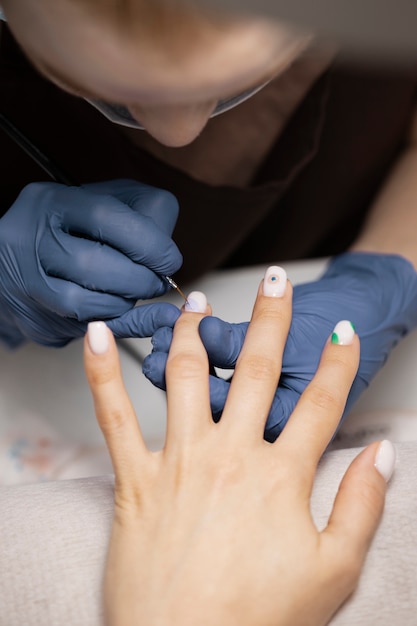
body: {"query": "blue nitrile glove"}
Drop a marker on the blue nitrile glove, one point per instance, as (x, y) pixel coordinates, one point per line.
(378, 293)
(72, 254)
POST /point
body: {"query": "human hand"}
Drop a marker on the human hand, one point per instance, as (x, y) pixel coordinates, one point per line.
(216, 528)
(378, 291)
(72, 254)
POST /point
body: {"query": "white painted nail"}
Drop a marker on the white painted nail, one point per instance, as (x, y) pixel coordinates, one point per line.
(275, 282)
(98, 337)
(385, 459)
(343, 333)
(196, 302)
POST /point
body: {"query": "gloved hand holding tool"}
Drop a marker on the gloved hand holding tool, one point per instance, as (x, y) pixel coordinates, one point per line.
(72, 254)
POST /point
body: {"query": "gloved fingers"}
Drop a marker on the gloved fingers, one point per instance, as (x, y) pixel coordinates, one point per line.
(158, 204)
(153, 367)
(10, 335)
(97, 267)
(106, 219)
(72, 301)
(145, 320)
(222, 340)
(282, 407)
(161, 339)
(219, 388)
(49, 329)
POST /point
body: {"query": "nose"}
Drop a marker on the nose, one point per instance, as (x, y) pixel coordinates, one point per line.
(173, 125)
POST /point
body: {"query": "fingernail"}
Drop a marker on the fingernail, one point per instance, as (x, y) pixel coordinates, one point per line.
(275, 282)
(196, 302)
(385, 459)
(343, 333)
(98, 337)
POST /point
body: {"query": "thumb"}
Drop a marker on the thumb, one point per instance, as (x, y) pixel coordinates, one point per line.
(360, 500)
(222, 340)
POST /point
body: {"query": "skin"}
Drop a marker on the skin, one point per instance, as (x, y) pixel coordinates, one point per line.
(171, 90)
(391, 225)
(207, 530)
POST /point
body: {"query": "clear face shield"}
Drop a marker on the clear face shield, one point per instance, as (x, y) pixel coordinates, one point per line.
(119, 114)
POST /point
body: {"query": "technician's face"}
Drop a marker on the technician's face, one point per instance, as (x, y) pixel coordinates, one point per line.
(172, 98)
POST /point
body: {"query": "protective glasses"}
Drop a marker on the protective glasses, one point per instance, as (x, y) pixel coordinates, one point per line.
(119, 114)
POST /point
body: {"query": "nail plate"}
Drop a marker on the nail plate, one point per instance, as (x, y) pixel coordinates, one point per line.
(98, 337)
(385, 459)
(343, 333)
(196, 302)
(275, 282)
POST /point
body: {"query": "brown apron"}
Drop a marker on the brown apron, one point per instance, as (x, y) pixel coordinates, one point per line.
(308, 199)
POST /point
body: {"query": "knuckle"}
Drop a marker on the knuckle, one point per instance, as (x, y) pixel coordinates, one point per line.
(100, 376)
(71, 302)
(186, 365)
(342, 360)
(322, 397)
(33, 188)
(260, 367)
(270, 314)
(32, 191)
(166, 199)
(114, 422)
(99, 212)
(349, 572)
(371, 495)
(90, 257)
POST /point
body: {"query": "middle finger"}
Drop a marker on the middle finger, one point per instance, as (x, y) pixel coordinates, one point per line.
(258, 367)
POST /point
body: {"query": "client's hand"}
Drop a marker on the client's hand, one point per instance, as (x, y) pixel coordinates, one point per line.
(216, 528)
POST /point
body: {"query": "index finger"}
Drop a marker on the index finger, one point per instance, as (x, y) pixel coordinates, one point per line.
(114, 411)
(258, 366)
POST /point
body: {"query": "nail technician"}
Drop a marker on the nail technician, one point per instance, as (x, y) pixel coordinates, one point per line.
(260, 144)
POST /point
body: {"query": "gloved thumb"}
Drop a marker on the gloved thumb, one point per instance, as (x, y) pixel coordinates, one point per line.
(282, 407)
(222, 340)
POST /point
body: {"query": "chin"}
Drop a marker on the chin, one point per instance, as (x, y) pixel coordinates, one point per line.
(175, 137)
